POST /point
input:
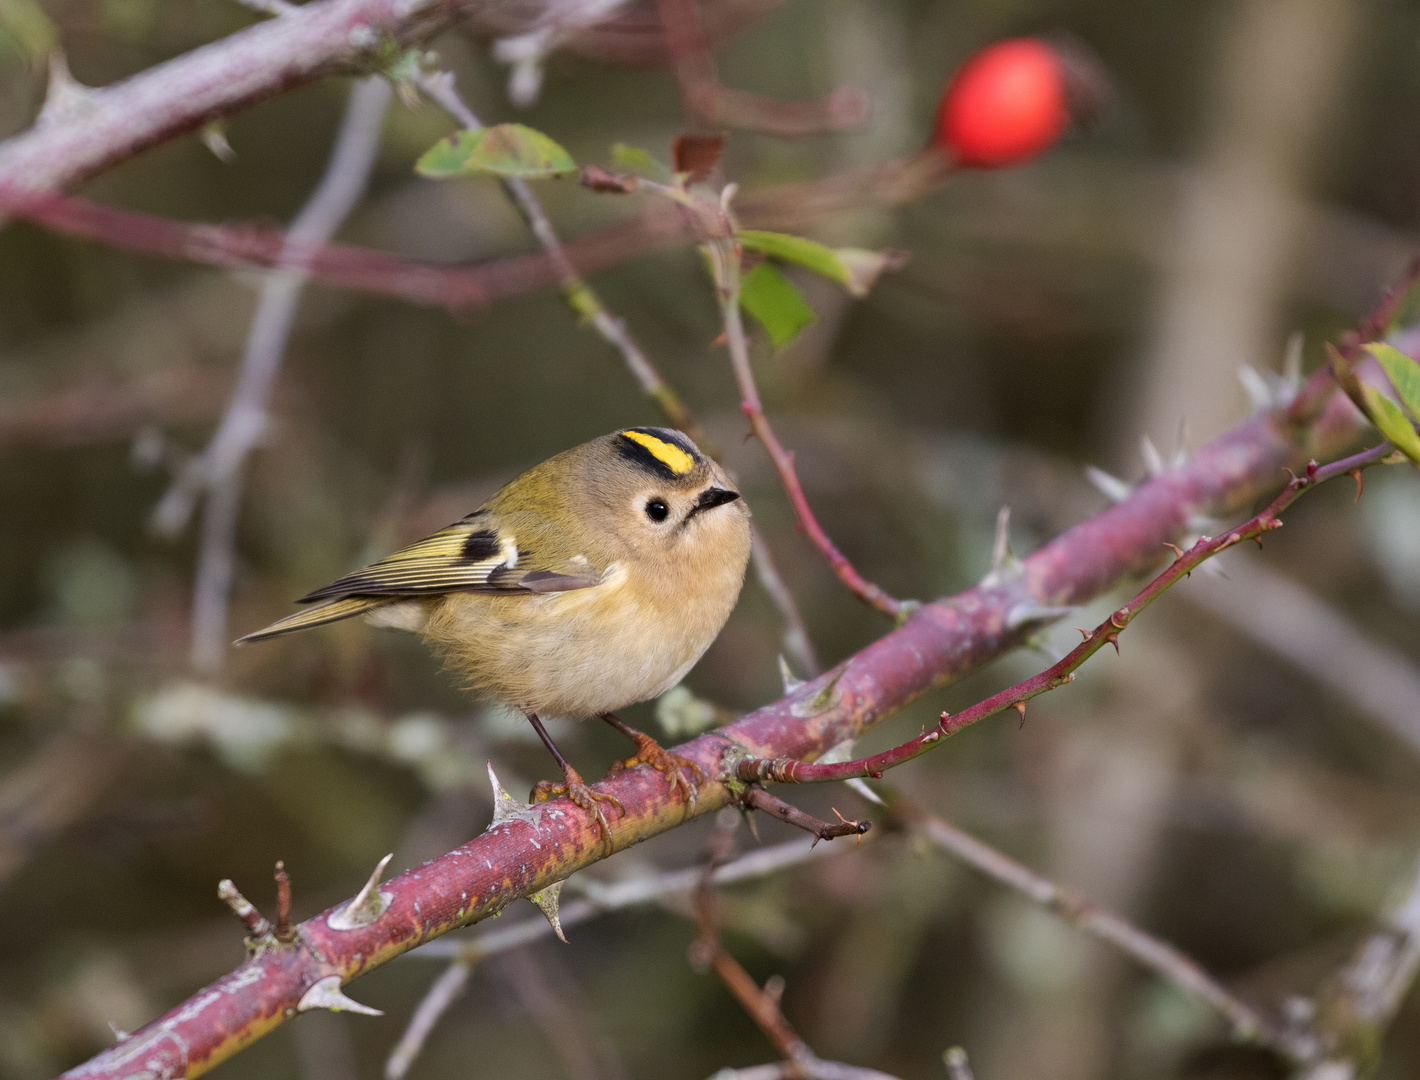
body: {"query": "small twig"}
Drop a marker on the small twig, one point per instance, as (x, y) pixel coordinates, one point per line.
(787, 770)
(1368, 992)
(583, 300)
(759, 799)
(762, 1003)
(725, 261)
(257, 926)
(283, 930)
(706, 952)
(447, 989)
(704, 95)
(1246, 1022)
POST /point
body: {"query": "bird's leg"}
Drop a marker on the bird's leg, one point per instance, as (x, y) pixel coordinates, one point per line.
(650, 752)
(572, 784)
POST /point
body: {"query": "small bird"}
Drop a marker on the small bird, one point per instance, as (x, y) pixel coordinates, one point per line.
(591, 582)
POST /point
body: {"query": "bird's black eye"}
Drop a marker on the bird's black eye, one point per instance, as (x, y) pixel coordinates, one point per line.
(656, 510)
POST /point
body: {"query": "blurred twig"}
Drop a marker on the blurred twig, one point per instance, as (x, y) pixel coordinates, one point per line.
(219, 468)
(52, 790)
(958, 1067)
(760, 1002)
(788, 206)
(1320, 641)
(1367, 993)
(308, 41)
(1246, 1022)
(704, 95)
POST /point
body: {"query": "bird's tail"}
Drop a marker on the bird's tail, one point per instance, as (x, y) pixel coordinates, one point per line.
(344, 608)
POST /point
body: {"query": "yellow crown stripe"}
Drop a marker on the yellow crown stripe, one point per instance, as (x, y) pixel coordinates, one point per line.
(668, 454)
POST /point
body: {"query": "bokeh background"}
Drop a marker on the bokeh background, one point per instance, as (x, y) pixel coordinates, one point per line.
(1231, 782)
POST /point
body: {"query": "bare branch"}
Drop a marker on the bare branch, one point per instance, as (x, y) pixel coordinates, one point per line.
(219, 467)
(317, 39)
(1159, 956)
(1366, 995)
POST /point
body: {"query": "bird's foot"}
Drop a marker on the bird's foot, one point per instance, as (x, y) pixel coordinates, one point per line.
(580, 793)
(650, 752)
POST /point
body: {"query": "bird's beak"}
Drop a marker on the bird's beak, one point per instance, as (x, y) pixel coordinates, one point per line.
(712, 497)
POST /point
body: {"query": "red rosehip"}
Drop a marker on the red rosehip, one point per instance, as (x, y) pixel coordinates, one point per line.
(1005, 105)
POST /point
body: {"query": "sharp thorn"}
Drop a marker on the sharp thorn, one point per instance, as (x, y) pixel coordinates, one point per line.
(1001, 543)
(865, 791)
(1355, 474)
(505, 807)
(326, 994)
(790, 682)
(1256, 387)
(1292, 361)
(1153, 460)
(546, 901)
(369, 903)
(1085, 634)
(1113, 488)
(1177, 551)
(1029, 612)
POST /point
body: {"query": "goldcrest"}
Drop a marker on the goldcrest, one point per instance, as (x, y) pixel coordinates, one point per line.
(592, 581)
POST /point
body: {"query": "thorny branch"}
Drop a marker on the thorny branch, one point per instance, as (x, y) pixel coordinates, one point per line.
(786, 771)
(539, 846)
(756, 798)
(598, 899)
(307, 42)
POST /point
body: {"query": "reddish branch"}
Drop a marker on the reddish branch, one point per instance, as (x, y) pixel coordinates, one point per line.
(940, 642)
(725, 261)
(787, 771)
(458, 288)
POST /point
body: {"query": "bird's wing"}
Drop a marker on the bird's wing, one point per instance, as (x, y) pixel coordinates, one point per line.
(472, 555)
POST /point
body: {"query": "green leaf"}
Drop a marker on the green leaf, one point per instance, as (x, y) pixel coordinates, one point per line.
(1386, 415)
(504, 150)
(776, 302)
(809, 254)
(633, 159)
(1403, 372)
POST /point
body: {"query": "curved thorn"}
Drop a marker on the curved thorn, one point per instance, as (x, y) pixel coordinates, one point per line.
(326, 994)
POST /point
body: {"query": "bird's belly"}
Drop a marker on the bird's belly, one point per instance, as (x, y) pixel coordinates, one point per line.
(577, 653)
